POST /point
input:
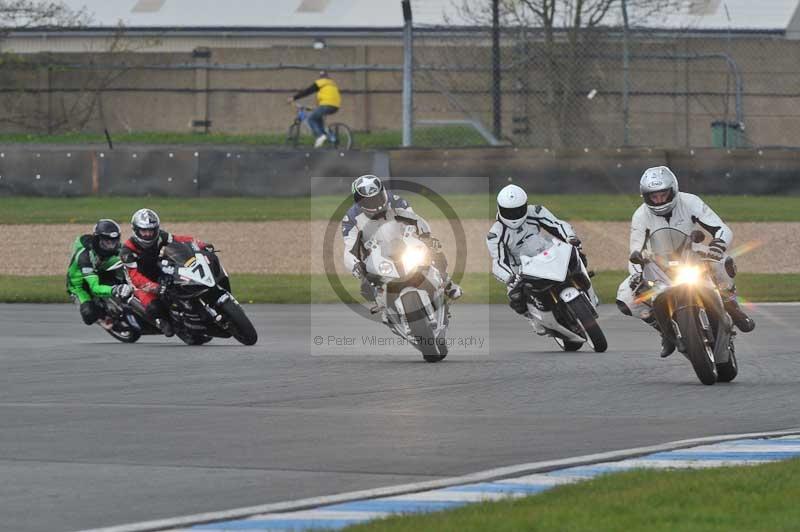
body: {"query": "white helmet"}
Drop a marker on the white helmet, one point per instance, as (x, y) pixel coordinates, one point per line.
(657, 180)
(145, 225)
(512, 206)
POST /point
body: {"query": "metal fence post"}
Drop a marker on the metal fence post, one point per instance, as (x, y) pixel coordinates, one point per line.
(408, 75)
(626, 77)
(497, 93)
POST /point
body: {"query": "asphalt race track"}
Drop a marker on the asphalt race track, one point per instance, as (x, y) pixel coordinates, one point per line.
(96, 433)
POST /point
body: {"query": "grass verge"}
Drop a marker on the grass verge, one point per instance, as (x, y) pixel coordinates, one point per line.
(591, 207)
(424, 137)
(478, 288)
(728, 499)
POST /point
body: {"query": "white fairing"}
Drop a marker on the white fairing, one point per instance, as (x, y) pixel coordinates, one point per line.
(552, 263)
(200, 272)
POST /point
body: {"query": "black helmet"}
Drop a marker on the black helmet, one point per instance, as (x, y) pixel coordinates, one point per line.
(145, 225)
(105, 238)
(370, 195)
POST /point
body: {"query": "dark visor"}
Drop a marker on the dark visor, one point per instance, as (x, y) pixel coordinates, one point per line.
(667, 192)
(373, 202)
(515, 213)
(108, 244)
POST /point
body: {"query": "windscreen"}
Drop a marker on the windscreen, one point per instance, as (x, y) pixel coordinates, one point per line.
(178, 252)
(667, 246)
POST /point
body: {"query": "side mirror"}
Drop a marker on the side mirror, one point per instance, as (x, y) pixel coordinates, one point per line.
(636, 258)
(697, 236)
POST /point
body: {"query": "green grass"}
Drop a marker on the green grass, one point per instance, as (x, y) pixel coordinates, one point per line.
(439, 136)
(591, 207)
(727, 499)
(478, 287)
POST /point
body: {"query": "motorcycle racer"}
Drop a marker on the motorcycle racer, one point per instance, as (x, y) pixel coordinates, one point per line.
(520, 229)
(140, 255)
(373, 202)
(90, 275)
(665, 206)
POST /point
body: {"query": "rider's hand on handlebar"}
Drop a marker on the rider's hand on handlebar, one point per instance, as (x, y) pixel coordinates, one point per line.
(359, 270)
(122, 291)
(513, 281)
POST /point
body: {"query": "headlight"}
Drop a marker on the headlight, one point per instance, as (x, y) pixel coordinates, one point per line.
(386, 268)
(687, 275)
(414, 257)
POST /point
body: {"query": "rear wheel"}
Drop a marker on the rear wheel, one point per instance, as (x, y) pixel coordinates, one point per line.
(700, 353)
(342, 136)
(421, 329)
(582, 309)
(728, 371)
(126, 336)
(240, 326)
(293, 135)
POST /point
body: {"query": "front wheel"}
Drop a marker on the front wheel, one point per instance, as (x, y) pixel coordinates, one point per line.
(293, 135)
(240, 326)
(340, 135)
(421, 329)
(582, 310)
(700, 354)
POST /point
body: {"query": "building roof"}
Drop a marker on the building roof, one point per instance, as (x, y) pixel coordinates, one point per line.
(364, 14)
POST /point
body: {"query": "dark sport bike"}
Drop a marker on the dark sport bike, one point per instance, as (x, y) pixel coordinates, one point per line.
(198, 300)
(339, 135)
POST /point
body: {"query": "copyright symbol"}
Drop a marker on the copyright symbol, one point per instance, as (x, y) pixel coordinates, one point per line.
(318, 340)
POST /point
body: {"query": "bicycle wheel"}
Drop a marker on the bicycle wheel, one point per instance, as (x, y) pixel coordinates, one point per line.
(293, 135)
(342, 137)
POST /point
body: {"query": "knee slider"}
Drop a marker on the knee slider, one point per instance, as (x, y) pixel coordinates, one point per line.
(624, 308)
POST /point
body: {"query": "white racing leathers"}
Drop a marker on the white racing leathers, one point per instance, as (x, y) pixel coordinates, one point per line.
(689, 213)
(507, 244)
(357, 227)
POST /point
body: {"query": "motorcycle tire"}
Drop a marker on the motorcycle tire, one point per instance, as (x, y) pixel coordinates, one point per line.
(700, 354)
(241, 327)
(421, 328)
(128, 336)
(728, 371)
(582, 310)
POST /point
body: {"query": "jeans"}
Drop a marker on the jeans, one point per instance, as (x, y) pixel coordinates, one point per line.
(316, 120)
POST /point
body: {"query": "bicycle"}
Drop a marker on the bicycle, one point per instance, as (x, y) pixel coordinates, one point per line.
(339, 135)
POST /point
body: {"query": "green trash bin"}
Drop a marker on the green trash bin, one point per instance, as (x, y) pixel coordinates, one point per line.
(727, 134)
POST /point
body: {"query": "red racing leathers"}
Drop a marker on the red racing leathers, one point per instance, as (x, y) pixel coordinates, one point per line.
(142, 264)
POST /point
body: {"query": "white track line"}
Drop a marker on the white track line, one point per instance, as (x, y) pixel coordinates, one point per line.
(482, 476)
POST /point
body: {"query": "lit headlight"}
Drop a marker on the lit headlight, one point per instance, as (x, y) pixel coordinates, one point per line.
(386, 268)
(414, 257)
(687, 275)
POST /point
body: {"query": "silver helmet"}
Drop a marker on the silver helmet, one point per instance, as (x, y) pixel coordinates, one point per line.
(659, 190)
(145, 224)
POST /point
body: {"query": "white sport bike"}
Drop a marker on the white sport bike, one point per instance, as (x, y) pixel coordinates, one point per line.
(411, 289)
(560, 297)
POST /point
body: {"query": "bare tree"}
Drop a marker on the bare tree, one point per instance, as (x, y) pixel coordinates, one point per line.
(566, 33)
(26, 14)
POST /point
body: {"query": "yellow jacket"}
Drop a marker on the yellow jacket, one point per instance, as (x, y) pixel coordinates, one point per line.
(328, 93)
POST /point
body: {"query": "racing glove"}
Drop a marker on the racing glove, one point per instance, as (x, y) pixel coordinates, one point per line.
(576, 243)
(122, 291)
(716, 249)
(359, 270)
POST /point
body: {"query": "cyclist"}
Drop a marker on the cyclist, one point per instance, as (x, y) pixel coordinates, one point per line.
(329, 99)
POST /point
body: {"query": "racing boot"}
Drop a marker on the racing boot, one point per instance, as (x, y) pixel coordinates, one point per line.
(667, 346)
(156, 316)
(742, 321)
(452, 290)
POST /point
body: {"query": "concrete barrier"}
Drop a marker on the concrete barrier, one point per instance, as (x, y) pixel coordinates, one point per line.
(236, 171)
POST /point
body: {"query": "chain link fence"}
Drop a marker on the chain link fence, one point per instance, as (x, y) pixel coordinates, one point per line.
(675, 90)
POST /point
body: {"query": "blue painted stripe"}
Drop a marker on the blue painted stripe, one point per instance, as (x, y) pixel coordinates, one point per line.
(787, 443)
(724, 455)
(500, 487)
(280, 524)
(393, 506)
(586, 471)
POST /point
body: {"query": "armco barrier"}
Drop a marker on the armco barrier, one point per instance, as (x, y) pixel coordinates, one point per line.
(160, 171)
(230, 171)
